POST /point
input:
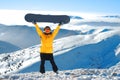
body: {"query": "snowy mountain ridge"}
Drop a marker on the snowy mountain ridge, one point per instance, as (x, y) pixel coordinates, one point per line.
(84, 49)
(20, 60)
(112, 16)
(21, 37)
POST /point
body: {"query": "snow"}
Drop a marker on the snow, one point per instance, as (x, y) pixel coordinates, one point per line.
(77, 74)
(83, 50)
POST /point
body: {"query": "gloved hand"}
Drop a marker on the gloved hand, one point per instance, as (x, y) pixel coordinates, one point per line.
(61, 23)
(34, 22)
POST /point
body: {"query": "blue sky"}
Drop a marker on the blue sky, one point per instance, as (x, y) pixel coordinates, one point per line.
(92, 6)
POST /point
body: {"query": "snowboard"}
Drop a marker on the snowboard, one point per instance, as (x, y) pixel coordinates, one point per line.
(47, 18)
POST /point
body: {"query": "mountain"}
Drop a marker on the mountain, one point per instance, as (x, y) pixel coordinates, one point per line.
(76, 17)
(84, 49)
(6, 47)
(19, 35)
(93, 49)
(112, 16)
(83, 56)
(100, 23)
(23, 36)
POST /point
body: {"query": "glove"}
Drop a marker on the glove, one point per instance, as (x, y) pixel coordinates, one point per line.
(34, 22)
(61, 23)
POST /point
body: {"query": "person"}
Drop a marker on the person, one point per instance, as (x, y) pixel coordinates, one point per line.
(46, 49)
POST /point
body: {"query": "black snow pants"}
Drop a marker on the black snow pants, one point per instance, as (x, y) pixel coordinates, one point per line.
(49, 57)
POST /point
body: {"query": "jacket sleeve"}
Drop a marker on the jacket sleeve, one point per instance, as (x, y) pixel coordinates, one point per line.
(38, 30)
(55, 32)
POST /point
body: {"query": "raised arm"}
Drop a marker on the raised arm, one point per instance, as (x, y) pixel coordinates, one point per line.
(38, 30)
(55, 32)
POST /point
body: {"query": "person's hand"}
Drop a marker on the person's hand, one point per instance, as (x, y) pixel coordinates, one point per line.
(34, 22)
(61, 23)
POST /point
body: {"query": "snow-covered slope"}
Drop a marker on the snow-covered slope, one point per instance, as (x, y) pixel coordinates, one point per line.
(6, 47)
(78, 50)
(94, 49)
(76, 74)
(81, 51)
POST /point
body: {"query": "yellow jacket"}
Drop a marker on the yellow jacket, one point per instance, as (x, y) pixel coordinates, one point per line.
(47, 40)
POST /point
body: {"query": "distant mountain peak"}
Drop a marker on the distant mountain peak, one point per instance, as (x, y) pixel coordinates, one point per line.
(112, 16)
(76, 17)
